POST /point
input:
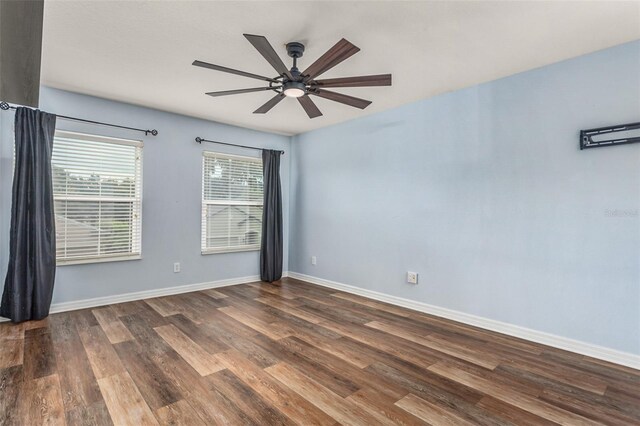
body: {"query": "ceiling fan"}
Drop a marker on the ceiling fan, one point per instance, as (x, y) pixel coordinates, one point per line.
(295, 84)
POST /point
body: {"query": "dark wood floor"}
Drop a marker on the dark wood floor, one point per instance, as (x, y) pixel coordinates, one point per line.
(293, 354)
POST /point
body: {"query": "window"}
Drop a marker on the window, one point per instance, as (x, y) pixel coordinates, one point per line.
(231, 203)
(97, 192)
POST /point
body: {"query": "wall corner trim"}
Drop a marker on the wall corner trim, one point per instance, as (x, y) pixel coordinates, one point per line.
(148, 294)
(582, 348)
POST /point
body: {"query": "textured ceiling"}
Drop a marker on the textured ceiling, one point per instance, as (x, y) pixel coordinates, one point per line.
(141, 51)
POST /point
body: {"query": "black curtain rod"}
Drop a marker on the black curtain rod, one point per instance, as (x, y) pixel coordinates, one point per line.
(5, 106)
(200, 140)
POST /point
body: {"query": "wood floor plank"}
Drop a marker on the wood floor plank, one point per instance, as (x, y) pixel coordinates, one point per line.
(535, 406)
(429, 412)
(281, 397)
(340, 348)
(9, 330)
(102, 357)
(359, 378)
(458, 351)
(323, 374)
(257, 324)
(11, 347)
(276, 290)
(183, 376)
(111, 325)
(248, 401)
(603, 402)
(11, 383)
(30, 325)
(214, 293)
(41, 403)
(211, 407)
(163, 306)
(126, 308)
(179, 413)
(124, 402)
(335, 313)
(207, 341)
(202, 361)
(606, 414)
(388, 344)
(373, 304)
(439, 391)
(511, 414)
(83, 319)
(12, 352)
(145, 335)
(154, 386)
(196, 307)
(93, 414)
(234, 334)
(375, 401)
(77, 381)
(307, 316)
(564, 374)
(39, 353)
(340, 409)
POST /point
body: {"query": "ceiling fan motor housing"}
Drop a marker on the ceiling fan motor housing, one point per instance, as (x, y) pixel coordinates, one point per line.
(295, 49)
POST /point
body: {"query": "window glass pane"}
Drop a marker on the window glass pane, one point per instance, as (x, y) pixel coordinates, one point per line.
(97, 193)
(232, 202)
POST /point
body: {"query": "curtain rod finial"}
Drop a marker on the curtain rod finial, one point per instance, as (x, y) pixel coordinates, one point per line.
(4, 106)
(199, 139)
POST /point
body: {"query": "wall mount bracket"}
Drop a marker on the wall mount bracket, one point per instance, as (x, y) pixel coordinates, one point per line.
(587, 141)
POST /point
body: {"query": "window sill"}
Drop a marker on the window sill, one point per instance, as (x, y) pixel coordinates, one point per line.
(85, 261)
(229, 250)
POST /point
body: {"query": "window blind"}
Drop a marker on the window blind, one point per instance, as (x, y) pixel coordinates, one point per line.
(232, 198)
(97, 191)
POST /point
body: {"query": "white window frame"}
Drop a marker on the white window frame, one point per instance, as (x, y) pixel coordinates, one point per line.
(204, 250)
(137, 199)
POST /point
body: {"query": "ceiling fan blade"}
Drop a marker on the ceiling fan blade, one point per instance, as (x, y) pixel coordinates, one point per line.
(342, 98)
(238, 91)
(309, 106)
(332, 57)
(270, 104)
(360, 81)
(266, 50)
(232, 71)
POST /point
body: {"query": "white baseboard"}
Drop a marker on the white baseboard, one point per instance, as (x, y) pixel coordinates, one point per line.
(147, 294)
(588, 349)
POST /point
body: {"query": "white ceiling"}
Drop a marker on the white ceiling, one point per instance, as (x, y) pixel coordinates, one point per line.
(141, 51)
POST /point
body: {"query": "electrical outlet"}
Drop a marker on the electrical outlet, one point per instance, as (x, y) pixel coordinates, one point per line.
(412, 277)
(314, 261)
(176, 267)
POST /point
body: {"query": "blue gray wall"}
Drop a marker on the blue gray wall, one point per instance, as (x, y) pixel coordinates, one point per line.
(486, 195)
(172, 185)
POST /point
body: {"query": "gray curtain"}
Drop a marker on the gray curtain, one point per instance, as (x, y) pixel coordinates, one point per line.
(271, 247)
(28, 286)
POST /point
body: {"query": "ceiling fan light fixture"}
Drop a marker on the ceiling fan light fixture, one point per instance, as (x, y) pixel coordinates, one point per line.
(294, 89)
